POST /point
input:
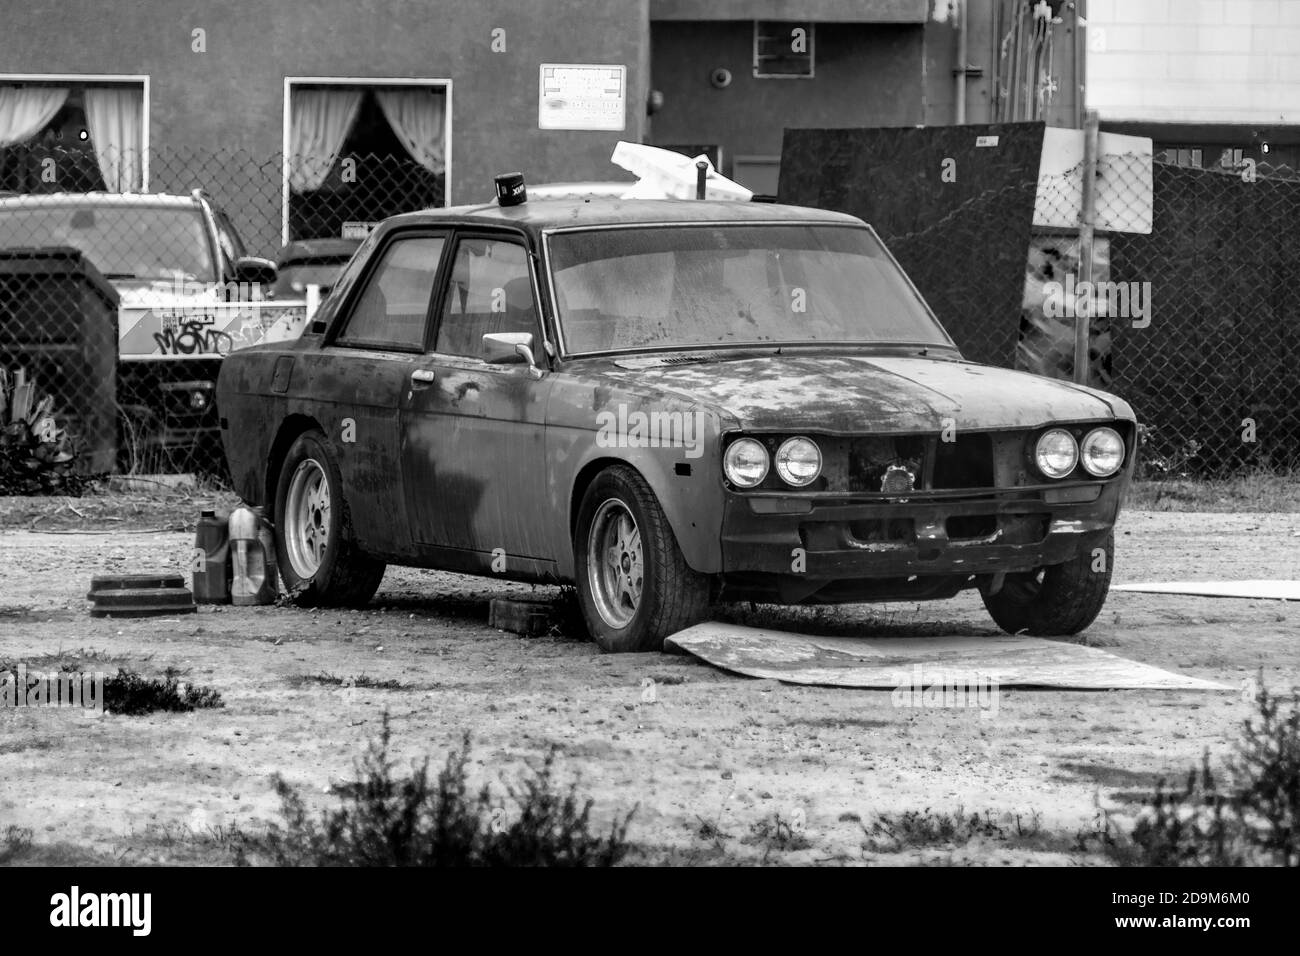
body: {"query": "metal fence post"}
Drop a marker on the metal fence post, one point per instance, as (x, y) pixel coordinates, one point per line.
(1087, 220)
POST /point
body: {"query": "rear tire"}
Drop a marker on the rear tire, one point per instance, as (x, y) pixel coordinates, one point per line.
(317, 554)
(1055, 601)
(634, 586)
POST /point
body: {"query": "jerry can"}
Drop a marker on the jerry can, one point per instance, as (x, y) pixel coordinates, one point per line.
(211, 560)
(253, 579)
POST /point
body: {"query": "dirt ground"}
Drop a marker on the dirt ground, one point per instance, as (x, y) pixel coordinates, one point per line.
(708, 765)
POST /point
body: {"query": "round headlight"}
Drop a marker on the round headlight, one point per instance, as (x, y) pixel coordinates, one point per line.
(198, 400)
(798, 461)
(1102, 452)
(1057, 453)
(745, 463)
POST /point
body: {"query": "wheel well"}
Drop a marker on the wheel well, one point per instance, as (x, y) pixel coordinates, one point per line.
(290, 429)
(585, 477)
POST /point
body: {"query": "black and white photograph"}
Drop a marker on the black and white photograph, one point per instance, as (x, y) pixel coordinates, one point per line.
(693, 434)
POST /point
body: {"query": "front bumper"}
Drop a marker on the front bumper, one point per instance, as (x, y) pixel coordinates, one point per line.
(794, 547)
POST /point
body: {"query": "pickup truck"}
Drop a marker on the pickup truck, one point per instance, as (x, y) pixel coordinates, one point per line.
(190, 294)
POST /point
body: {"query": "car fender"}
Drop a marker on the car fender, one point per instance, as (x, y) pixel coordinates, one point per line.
(672, 444)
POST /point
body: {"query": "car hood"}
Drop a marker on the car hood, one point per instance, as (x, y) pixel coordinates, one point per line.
(859, 393)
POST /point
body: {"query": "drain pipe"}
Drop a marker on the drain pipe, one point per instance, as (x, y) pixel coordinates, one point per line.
(961, 63)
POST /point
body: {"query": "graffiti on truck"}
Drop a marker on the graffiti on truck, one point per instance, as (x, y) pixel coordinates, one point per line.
(185, 330)
(193, 337)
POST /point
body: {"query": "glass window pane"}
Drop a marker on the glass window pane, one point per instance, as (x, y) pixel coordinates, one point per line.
(489, 292)
(391, 311)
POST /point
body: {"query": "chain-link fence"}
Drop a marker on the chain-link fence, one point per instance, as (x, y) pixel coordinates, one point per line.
(120, 307)
(1196, 323)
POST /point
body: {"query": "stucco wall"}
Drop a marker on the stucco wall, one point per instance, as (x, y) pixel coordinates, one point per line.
(232, 95)
(866, 75)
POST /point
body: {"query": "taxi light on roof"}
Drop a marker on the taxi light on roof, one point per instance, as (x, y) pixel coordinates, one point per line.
(511, 190)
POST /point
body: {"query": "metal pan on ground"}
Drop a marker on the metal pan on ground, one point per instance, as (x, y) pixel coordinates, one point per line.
(888, 663)
(1259, 590)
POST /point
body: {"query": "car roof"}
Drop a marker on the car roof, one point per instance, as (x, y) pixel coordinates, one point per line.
(310, 248)
(96, 199)
(537, 216)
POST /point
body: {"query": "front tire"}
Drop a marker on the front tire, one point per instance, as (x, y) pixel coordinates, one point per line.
(318, 556)
(634, 586)
(1055, 601)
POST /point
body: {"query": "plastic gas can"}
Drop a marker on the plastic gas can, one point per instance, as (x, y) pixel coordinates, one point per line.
(211, 560)
(252, 558)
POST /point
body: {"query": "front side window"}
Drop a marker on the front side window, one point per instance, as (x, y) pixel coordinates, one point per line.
(392, 310)
(718, 286)
(489, 291)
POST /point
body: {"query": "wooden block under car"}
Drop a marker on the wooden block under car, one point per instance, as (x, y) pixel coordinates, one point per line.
(531, 617)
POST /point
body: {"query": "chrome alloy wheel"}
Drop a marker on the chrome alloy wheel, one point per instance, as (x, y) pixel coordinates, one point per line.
(307, 518)
(615, 564)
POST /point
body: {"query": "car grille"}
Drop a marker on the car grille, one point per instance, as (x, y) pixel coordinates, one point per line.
(965, 462)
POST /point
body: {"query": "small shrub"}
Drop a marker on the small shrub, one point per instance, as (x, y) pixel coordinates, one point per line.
(773, 832)
(360, 682)
(131, 694)
(37, 457)
(710, 831)
(1246, 817)
(890, 833)
(386, 820)
(15, 844)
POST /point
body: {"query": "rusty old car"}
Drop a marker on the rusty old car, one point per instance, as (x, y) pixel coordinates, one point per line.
(667, 404)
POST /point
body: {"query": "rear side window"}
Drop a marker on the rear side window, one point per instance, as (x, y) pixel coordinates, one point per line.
(392, 310)
(489, 291)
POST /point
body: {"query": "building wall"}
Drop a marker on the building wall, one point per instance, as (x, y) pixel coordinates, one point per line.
(895, 71)
(1203, 61)
(865, 75)
(988, 28)
(232, 95)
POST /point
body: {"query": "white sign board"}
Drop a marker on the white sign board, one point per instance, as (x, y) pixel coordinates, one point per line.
(1124, 187)
(578, 96)
(357, 230)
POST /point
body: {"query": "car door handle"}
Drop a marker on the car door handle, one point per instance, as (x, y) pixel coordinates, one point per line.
(423, 376)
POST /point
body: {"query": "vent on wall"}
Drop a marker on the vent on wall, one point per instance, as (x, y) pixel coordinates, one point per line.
(783, 49)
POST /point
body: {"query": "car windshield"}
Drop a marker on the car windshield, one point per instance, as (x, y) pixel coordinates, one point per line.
(710, 286)
(122, 242)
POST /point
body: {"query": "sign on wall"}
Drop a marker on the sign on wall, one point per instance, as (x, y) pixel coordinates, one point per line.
(582, 96)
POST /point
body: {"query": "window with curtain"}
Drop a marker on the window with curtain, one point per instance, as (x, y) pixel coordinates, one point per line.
(362, 153)
(71, 138)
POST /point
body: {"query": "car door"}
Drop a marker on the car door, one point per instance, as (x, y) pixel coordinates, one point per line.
(360, 377)
(474, 441)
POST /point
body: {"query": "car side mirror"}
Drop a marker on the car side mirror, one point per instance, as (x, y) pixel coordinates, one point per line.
(255, 269)
(507, 348)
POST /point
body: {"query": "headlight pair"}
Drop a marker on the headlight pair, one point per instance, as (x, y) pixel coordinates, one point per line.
(798, 462)
(1101, 452)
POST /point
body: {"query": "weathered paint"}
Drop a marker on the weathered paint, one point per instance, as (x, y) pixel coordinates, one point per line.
(876, 394)
(488, 458)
